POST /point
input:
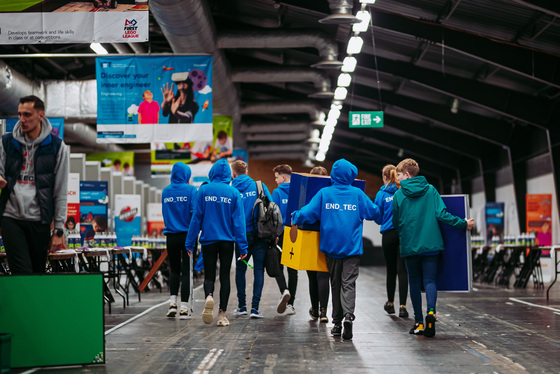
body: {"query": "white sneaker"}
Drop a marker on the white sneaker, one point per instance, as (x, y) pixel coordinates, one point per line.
(222, 320)
(240, 311)
(290, 310)
(208, 314)
(172, 311)
(281, 308)
(185, 314)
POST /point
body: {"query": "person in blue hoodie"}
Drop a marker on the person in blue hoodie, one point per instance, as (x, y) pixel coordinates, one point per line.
(390, 242)
(341, 208)
(282, 176)
(218, 213)
(247, 190)
(177, 201)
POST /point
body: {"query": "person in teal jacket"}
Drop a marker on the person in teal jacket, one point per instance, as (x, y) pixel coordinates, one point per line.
(417, 211)
(218, 213)
(341, 208)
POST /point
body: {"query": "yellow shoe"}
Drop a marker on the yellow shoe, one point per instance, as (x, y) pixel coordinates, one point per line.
(208, 313)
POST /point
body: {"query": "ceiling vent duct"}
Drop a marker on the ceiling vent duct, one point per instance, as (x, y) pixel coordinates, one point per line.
(341, 13)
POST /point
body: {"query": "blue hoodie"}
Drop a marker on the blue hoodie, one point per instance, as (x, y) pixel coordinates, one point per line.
(177, 200)
(280, 197)
(248, 189)
(341, 208)
(218, 211)
(384, 200)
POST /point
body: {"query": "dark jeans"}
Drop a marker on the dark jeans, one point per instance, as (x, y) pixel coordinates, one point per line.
(179, 265)
(211, 253)
(257, 249)
(422, 270)
(343, 273)
(318, 289)
(292, 278)
(27, 245)
(395, 266)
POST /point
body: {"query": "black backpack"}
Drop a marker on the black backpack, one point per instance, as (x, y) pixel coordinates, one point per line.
(267, 221)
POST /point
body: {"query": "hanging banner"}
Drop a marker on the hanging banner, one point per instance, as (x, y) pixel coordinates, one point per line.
(57, 22)
(539, 217)
(165, 155)
(154, 99)
(93, 210)
(72, 224)
(119, 161)
(155, 219)
(128, 221)
(57, 124)
(494, 221)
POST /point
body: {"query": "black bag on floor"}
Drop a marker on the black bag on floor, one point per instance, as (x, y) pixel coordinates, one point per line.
(272, 260)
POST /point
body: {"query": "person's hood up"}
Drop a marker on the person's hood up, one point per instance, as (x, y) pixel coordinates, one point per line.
(343, 172)
(243, 183)
(415, 187)
(390, 188)
(181, 173)
(220, 172)
(46, 129)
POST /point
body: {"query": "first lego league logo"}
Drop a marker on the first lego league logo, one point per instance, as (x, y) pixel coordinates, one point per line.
(130, 29)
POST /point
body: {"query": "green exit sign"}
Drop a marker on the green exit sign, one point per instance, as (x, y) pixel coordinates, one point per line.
(366, 119)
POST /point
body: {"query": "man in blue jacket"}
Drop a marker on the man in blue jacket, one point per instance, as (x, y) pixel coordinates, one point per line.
(218, 212)
(247, 187)
(177, 201)
(282, 176)
(341, 208)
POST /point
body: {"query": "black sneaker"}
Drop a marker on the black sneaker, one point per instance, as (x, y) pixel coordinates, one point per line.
(430, 330)
(336, 330)
(403, 313)
(417, 329)
(314, 314)
(323, 316)
(389, 308)
(347, 333)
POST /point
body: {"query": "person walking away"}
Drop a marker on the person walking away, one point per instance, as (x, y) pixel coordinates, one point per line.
(218, 213)
(390, 242)
(341, 208)
(177, 201)
(417, 211)
(34, 182)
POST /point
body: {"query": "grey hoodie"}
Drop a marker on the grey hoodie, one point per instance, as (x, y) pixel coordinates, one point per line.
(23, 203)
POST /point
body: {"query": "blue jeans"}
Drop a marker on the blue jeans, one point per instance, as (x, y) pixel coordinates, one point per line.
(257, 249)
(422, 270)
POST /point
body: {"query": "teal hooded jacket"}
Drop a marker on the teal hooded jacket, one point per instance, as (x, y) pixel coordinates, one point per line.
(417, 211)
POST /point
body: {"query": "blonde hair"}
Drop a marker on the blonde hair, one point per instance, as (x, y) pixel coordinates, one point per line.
(319, 170)
(389, 172)
(239, 167)
(409, 166)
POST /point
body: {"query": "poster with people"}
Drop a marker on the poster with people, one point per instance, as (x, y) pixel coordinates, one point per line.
(155, 219)
(494, 222)
(199, 155)
(60, 22)
(128, 218)
(57, 124)
(118, 161)
(154, 99)
(539, 217)
(72, 224)
(93, 210)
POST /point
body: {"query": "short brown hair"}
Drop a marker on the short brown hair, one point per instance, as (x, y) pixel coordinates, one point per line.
(239, 167)
(37, 103)
(283, 169)
(409, 166)
(319, 170)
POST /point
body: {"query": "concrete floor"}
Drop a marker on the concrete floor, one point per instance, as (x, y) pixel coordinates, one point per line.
(491, 330)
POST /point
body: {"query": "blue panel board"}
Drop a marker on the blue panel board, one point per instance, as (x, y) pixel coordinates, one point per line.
(455, 265)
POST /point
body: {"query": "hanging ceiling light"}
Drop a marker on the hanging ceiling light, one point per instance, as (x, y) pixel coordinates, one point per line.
(344, 80)
(340, 93)
(98, 48)
(354, 45)
(365, 17)
(349, 64)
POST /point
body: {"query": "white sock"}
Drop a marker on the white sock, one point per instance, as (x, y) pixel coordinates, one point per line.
(184, 305)
(173, 299)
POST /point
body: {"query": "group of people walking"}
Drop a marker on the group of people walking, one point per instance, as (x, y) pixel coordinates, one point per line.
(407, 208)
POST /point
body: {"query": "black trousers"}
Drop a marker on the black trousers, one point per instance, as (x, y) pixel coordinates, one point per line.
(210, 255)
(179, 265)
(395, 266)
(318, 289)
(27, 245)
